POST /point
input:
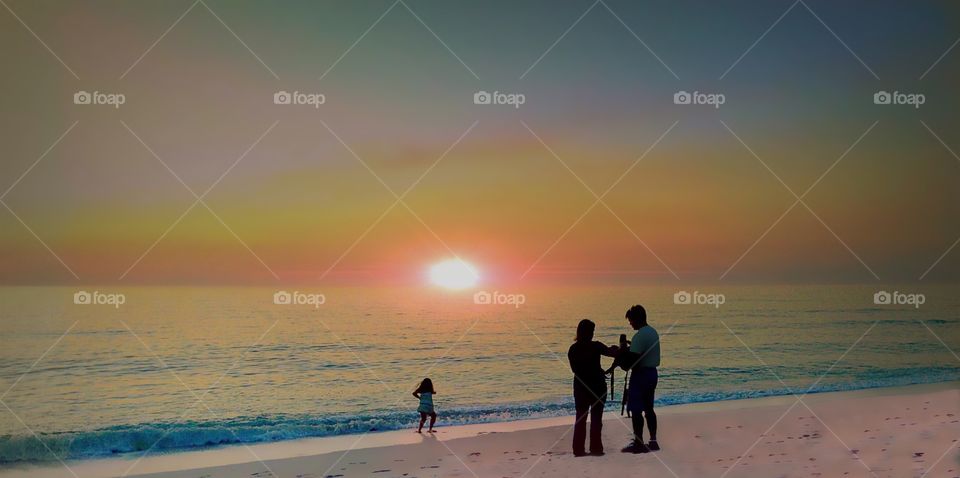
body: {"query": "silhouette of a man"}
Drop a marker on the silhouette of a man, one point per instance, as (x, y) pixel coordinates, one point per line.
(642, 359)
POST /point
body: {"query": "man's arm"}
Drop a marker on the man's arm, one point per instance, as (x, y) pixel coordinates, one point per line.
(628, 359)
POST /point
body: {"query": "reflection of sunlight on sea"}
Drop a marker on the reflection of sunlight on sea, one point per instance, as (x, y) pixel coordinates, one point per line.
(351, 364)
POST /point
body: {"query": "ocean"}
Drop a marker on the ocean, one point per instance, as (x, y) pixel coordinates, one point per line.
(159, 369)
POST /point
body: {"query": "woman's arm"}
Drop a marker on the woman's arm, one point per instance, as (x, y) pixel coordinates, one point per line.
(416, 394)
(610, 351)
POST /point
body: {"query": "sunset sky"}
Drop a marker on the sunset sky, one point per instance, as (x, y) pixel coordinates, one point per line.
(293, 208)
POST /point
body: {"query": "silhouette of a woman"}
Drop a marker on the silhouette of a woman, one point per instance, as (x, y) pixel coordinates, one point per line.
(589, 387)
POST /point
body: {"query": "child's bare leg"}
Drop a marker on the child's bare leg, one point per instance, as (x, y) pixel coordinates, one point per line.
(433, 419)
(423, 418)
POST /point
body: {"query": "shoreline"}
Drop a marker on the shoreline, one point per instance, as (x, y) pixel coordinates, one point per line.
(249, 456)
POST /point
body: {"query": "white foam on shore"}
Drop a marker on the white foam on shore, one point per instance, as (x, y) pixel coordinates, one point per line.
(237, 454)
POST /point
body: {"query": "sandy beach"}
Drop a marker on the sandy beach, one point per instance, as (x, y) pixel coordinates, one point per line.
(892, 432)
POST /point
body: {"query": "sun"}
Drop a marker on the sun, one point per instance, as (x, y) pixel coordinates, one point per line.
(454, 274)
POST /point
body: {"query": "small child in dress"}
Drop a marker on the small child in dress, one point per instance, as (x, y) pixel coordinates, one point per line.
(425, 393)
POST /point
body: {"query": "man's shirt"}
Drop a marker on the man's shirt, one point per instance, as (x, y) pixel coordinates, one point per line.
(646, 342)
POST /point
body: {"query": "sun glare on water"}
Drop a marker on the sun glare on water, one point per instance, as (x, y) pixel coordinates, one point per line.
(453, 274)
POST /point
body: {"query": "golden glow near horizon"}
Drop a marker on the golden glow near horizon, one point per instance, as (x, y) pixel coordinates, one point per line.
(302, 192)
(454, 274)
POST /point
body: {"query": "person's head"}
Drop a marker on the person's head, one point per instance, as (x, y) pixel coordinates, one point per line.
(637, 316)
(585, 330)
(426, 386)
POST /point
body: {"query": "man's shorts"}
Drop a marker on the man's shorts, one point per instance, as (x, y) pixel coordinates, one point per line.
(643, 384)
